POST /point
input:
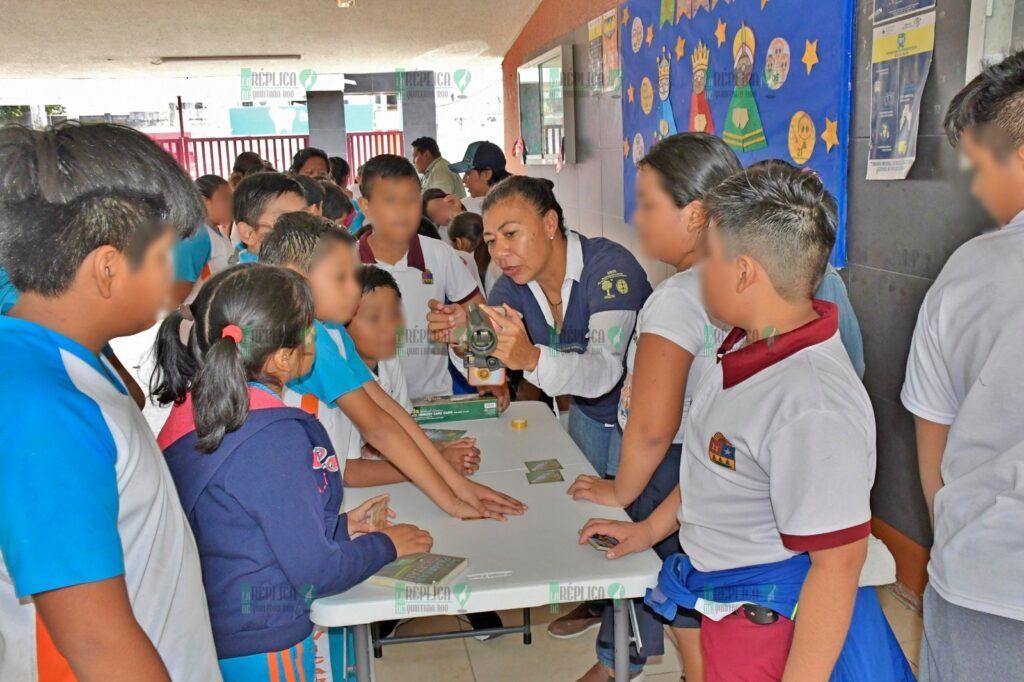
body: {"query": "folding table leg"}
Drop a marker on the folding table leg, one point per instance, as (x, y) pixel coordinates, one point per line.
(621, 639)
(364, 663)
(527, 635)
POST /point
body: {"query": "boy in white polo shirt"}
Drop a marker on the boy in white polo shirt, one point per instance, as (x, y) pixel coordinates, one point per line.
(964, 385)
(425, 269)
(99, 572)
(778, 456)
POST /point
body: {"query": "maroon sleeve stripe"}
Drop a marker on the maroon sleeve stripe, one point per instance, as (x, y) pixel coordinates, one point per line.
(836, 538)
(476, 290)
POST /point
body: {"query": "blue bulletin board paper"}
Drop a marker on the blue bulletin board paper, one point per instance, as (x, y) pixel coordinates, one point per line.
(794, 105)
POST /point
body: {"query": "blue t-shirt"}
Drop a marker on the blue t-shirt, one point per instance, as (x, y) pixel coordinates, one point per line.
(611, 279)
(8, 294)
(337, 367)
(191, 256)
(833, 290)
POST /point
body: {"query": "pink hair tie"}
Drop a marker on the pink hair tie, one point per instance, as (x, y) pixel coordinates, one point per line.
(232, 331)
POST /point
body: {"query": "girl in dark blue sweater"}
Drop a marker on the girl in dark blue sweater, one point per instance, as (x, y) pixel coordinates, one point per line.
(258, 480)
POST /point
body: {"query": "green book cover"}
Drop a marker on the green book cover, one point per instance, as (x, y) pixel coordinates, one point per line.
(457, 408)
(423, 568)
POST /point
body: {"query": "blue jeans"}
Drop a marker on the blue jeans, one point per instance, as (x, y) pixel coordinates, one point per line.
(599, 442)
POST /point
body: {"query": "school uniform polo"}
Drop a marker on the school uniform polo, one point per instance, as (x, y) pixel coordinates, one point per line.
(85, 495)
(675, 312)
(603, 289)
(429, 270)
(779, 450)
(391, 379)
(337, 370)
(966, 371)
(201, 256)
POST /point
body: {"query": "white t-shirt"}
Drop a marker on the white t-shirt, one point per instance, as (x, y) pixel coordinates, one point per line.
(966, 370)
(674, 311)
(430, 270)
(86, 495)
(778, 451)
(391, 379)
(470, 263)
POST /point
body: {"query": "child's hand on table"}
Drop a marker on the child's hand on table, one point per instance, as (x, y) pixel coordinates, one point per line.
(408, 539)
(594, 489)
(482, 501)
(360, 519)
(632, 537)
(463, 455)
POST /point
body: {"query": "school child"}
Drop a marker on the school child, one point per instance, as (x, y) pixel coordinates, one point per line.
(375, 330)
(964, 386)
(673, 329)
(341, 390)
(337, 207)
(340, 170)
(99, 573)
(313, 191)
(467, 237)
(778, 458)
(258, 201)
(245, 164)
(259, 481)
(426, 269)
(209, 250)
(312, 162)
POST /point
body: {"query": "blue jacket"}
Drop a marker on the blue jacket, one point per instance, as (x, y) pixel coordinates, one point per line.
(264, 511)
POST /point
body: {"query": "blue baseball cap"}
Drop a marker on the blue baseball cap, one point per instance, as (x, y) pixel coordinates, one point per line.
(481, 156)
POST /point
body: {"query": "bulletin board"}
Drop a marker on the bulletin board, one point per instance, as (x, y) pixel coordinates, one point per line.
(771, 77)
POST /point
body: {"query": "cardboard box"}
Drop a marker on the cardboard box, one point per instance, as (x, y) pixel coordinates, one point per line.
(457, 408)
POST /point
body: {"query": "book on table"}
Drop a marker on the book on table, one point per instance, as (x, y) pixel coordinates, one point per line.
(422, 569)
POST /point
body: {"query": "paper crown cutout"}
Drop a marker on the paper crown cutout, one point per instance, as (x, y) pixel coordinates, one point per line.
(664, 65)
(744, 40)
(701, 57)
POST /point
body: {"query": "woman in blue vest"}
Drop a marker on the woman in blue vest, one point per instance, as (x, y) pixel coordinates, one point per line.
(570, 306)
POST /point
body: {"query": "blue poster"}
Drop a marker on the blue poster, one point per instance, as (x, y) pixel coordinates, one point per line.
(771, 77)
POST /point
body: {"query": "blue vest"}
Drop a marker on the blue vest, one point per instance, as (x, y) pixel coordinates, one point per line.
(612, 279)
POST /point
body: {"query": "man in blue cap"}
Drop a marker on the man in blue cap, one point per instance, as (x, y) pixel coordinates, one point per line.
(484, 167)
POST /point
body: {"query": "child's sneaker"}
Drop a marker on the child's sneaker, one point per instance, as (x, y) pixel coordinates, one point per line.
(602, 673)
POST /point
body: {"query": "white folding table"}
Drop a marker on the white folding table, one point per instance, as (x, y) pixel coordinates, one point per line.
(530, 560)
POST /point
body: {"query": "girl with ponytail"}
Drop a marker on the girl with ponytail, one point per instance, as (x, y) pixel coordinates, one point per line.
(259, 481)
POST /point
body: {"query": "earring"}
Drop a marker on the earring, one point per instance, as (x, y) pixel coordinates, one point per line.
(551, 237)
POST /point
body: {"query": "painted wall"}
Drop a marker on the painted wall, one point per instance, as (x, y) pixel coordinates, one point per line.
(900, 233)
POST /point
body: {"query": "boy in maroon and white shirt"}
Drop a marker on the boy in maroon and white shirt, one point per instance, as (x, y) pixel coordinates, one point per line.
(778, 454)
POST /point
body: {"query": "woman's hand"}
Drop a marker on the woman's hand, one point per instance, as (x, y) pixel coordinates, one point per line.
(501, 392)
(446, 322)
(463, 455)
(594, 489)
(632, 537)
(408, 539)
(360, 519)
(514, 349)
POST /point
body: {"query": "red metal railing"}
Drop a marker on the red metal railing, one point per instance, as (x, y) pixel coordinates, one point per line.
(364, 146)
(216, 155)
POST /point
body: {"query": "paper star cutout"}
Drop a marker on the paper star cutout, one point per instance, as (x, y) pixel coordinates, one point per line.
(630, 92)
(680, 48)
(650, 35)
(625, 16)
(720, 32)
(831, 134)
(810, 55)
(625, 147)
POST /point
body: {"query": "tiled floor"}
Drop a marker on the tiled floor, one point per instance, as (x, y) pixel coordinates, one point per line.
(506, 659)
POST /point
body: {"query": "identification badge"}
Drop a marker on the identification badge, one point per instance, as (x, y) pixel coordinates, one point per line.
(428, 277)
(722, 452)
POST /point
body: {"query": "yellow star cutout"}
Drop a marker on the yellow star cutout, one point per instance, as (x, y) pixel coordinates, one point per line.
(720, 32)
(650, 35)
(831, 134)
(680, 48)
(810, 55)
(625, 147)
(763, 3)
(629, 93)
(625, 16)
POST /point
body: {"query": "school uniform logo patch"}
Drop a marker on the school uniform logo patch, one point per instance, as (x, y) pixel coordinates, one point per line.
(722, 452)
(428, 277)
(324, 460)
